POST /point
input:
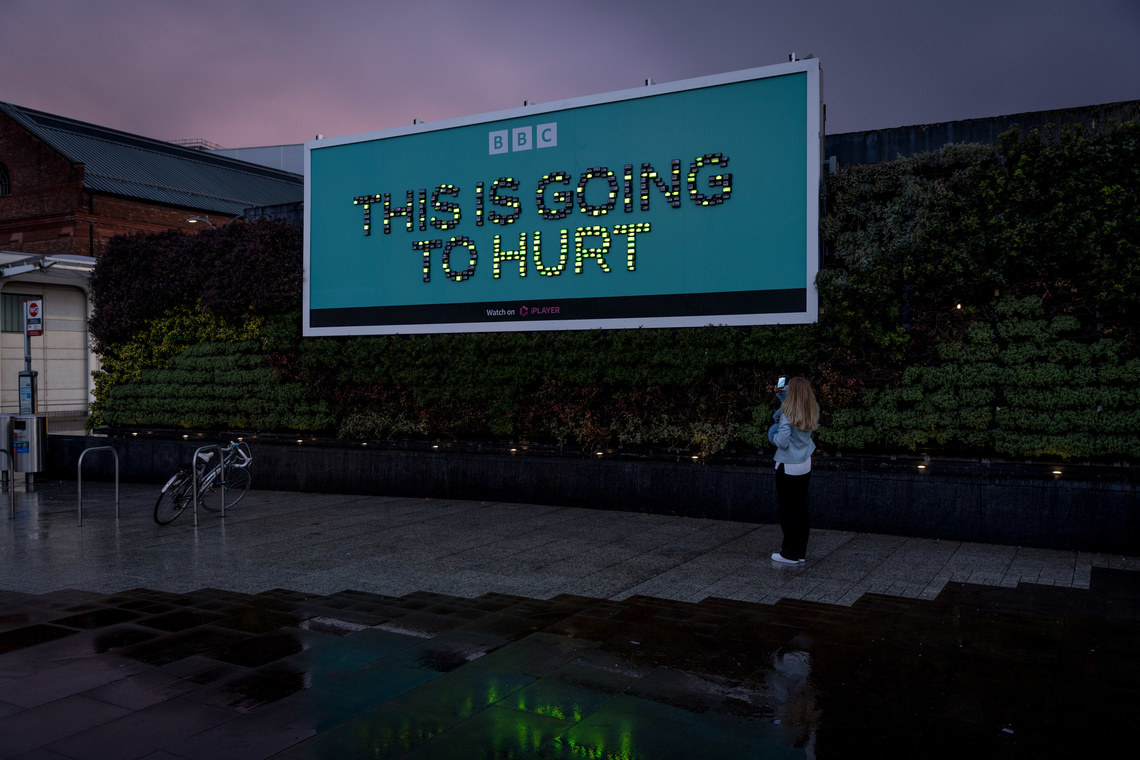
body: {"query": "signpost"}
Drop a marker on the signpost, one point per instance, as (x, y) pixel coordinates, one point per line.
(33, 317)
(33, 326)
(676, 205)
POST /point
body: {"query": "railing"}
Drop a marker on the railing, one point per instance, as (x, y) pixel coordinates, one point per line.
(11, 486)
(79, 478)
(221, 475)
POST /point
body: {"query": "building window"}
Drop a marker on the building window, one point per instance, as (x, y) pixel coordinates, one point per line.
(12, 311)
(5, 183)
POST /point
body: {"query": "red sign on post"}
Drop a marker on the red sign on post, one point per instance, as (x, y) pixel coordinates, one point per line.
(33, 317)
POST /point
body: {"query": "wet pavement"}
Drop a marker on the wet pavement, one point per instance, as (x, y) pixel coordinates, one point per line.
(315, 626)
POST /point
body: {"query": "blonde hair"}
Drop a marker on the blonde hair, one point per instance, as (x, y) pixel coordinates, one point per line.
(800, 408)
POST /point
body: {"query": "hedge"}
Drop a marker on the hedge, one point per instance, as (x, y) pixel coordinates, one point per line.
(978, 299)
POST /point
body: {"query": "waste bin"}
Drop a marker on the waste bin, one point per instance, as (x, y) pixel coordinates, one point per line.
(29, 442)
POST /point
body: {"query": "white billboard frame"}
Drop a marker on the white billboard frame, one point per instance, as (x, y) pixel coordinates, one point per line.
(812, 166)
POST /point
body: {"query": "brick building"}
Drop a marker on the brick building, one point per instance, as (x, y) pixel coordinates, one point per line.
(67, 186)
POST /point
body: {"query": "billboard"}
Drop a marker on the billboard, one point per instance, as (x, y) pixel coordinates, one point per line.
(686, 204)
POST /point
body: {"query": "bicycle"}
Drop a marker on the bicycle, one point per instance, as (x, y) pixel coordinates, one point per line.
(178, 493)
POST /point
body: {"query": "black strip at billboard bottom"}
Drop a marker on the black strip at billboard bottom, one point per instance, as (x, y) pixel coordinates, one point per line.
(785, 301)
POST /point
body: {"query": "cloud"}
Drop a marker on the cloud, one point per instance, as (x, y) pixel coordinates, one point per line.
(260, 72)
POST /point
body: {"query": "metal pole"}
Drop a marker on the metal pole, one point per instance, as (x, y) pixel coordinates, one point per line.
(194, 475)
(194, 467)
(222, 465)
(27, 344)
(11, 486)
(79, 478)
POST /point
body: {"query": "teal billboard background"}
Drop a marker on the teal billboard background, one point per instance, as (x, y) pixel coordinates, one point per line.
(690, 262)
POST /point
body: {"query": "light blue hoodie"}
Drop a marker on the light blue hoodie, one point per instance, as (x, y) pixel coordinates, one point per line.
(793, 446)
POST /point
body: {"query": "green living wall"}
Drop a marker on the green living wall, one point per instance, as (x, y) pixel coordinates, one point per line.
(980, 300)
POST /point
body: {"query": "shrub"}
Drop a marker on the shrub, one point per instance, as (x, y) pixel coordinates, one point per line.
(979, 299)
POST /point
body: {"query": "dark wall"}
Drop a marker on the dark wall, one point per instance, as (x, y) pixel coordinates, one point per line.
(293, 213)
(888, 144)
(1084, 508)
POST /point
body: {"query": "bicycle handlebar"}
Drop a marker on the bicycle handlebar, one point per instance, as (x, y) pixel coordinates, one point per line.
(240, 452)
(235, 455)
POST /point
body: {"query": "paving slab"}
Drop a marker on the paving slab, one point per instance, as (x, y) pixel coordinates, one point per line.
(315, 625)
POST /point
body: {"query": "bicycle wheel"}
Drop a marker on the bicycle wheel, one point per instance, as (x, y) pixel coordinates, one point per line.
(176, 496)
(237, 483)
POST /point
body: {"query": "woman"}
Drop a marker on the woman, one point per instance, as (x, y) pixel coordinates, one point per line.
(796, 419)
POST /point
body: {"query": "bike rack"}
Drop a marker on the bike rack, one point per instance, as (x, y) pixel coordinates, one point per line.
(79, 477)
(11, 485)
(221, 474)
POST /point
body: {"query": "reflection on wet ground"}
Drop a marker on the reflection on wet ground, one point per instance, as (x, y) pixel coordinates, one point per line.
(996, 672)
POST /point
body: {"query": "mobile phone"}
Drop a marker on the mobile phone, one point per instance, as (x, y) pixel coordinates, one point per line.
(781, 382)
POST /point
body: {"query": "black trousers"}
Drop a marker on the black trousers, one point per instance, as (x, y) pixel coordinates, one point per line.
(791, 495)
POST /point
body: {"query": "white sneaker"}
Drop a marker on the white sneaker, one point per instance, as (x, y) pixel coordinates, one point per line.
(777, 557)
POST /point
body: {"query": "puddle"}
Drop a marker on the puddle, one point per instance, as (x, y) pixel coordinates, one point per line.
(251, 691)
(657, 686)
(332, 626)
(118, 639)
(30, 636)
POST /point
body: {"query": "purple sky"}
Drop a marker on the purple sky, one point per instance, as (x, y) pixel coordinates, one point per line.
(265, 72)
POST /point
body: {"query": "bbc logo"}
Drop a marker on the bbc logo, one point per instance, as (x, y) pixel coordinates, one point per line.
(522, 138)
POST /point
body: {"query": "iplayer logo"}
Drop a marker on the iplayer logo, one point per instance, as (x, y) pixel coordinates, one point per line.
(522, 138)
(533, 311)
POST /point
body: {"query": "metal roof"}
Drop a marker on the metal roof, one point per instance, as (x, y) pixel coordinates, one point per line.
(119, 163)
